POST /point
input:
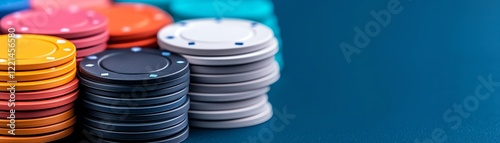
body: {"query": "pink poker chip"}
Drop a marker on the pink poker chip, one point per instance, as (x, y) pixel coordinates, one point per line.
(81, 53)
(85, 4)
(65, 23)
(91, 40)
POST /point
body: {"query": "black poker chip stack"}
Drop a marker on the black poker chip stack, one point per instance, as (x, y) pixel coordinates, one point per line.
(135, 95)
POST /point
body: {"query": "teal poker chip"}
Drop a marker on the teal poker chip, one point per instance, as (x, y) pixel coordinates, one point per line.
(10, 6)
(256, 10)
(162, 4)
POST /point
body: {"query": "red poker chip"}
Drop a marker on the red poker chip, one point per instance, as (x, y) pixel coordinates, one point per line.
(90, 41)
(37, 113)
(41, 104)
(81, 53)
(42, 94)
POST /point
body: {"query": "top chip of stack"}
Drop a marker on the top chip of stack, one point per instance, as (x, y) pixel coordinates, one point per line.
(134, 25)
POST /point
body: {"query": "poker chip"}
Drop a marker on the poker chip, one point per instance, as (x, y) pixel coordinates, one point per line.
(138, 28)
(41, 130)
(40, 84)
(215, 37)
(91, 41)
(270, 51)
(43, 94)
(43, 104)
(9, 6)
(116, 109)
(163, 4)
(81, 24)
(253, 10)
(235, 87)
(84, 52)
(232, 63)
(39, 113)
(234, 78)
(229, 114)
(135, 94)
(219, 106)
(40, 122)
(226, 97)
(43, 138)
(139, 136)
(83, 4)
(236, 123)
(39, 74)
(52, 51)
(140, 118)
(124, 101)
(146, 65)
(105, 125)
(231, 69)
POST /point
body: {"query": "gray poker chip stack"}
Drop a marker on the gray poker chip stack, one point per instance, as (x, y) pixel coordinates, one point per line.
(232, 66)
(135, 95)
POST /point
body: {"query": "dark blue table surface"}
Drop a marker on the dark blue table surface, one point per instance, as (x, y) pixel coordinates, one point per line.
(402, 87)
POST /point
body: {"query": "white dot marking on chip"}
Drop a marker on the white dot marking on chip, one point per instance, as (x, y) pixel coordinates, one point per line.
(104, 74)
(89, 65)
(65, 30)
(50, 58)
(3, 60)
(61, 41)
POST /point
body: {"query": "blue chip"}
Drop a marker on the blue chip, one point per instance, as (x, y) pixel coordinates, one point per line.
(10, 6)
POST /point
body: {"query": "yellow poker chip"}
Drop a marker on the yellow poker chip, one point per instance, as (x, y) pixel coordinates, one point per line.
(34, 52)
(40, 84)
(38, 74)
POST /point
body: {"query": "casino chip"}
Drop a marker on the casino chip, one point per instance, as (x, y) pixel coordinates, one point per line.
(137, 28)
(10, 6)
(45, 88)
(163, 4)
(232, 68)
(83, 4)
(261, 11)
(86, 28)
(135, 95)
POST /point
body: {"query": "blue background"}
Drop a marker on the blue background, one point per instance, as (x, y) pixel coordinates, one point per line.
(397, 89)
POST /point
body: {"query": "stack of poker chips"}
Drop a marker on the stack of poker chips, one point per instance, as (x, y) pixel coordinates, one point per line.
(163, 4)
(134, 25)
(232, 65)
(38, 92)
(85, 28)
(84, 4)
(135, 95)
(256, 10)
(10, 6)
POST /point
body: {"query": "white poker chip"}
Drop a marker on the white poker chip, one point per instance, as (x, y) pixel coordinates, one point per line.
(237, 123)
(236, 87)
(229, 114)
(235, 78)
(209, 36)
(226, 97)
(197, 69)
(213, 106)
(268, 51)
